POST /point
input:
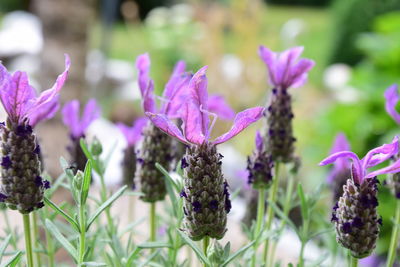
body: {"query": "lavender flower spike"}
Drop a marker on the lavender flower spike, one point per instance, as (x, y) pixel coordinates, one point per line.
(77, 126)
(355, 215)
(22, 186)
(132, 135)
(205, 193)
(340, 172)
(285, 71)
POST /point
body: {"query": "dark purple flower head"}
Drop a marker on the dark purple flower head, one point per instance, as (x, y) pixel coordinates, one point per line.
(184, 163)
(134, 133)
(195, 116)
(175, 93)
(392, 98)
(2, 197)
(341, 164)
(373, 158)
(38, 181)
(71, 118)
(20, 99)
(285, 69)
(196, 206)
(46, 184)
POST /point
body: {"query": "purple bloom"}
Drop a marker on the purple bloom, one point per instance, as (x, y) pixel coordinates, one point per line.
(134, 133)
(6, 162)
(2, 197)
(373, 158)
(341, 164)
(20, 99)
(392, 97)
(285, 70)
(71, 118)
(175, 93)
(195, 116)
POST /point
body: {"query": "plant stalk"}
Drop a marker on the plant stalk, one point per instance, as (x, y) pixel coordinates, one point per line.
(270, 211)
(259, 222)
(50, 243)
(28, 240)
(353, 262)
(82, 236)
(206, 242)
(35, 237)
(153, 221)
(395, 237)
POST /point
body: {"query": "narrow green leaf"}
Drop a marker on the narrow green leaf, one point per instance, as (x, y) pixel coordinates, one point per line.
(166, 174)
(303, 202)
(63, 241)
(4, 245)
(132, 257)
(195, 248)
(227, 250)
(169, 184)
(238, 253)
(13, 261)
(87, 177)
(145, 263)
(89, 156)
(69, 219)
(154, 245)
(283, 216)
(105, 205)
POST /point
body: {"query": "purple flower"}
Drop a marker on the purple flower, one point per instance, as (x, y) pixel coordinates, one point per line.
(392, 97)
(285, 70)
(195, 116)
(176, 91)
(341, 164)
(373, 158)
(134, 133)
(21, 101)
(78, 126)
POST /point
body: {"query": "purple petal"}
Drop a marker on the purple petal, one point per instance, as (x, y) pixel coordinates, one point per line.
(47, 104)
(216, 104)
(143, 66)
(167, 126)
(133, 134)
(284, 65)
(358, 172)
(341, 164)
(176, 75)
(393, 168)
(149, 104)
(242, 121)
(192, 117)
(70, 114)
(381, 154)
(299, 72)
(90, 113)
(176, 100)
(259, 141)
(392, 97)
(198, 92)
(270, 59)
(341, 144)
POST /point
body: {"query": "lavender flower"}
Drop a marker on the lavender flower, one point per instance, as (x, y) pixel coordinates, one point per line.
(341, 168)
(77, 126)
(22, 186)
(132, 135)
(260, 165)
(205, 193)
(355, 215)
(392, 98)
(285, 70)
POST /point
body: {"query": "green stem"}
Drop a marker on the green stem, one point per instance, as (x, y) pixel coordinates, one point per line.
(286, 209)
(35, 236)
(153, 221)
(82, 236)
(206, 242)
(353, 262)
(50, 244)
(28, 240)
(103, 195)
(303, 242)
(270, 210)
(395, 237)
(259, 222)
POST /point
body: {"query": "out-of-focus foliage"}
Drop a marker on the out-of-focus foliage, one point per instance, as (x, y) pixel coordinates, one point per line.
(351, 18)
(10, 5)
(300, 2)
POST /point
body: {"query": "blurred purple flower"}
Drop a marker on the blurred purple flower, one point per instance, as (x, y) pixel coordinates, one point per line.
(21, 101)
(373, 158)
(134, 133)
(195, 116)
(71, 118)
(372, 261)
(341, 164)
(285, 70)
(392, 97)
(175, 93)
